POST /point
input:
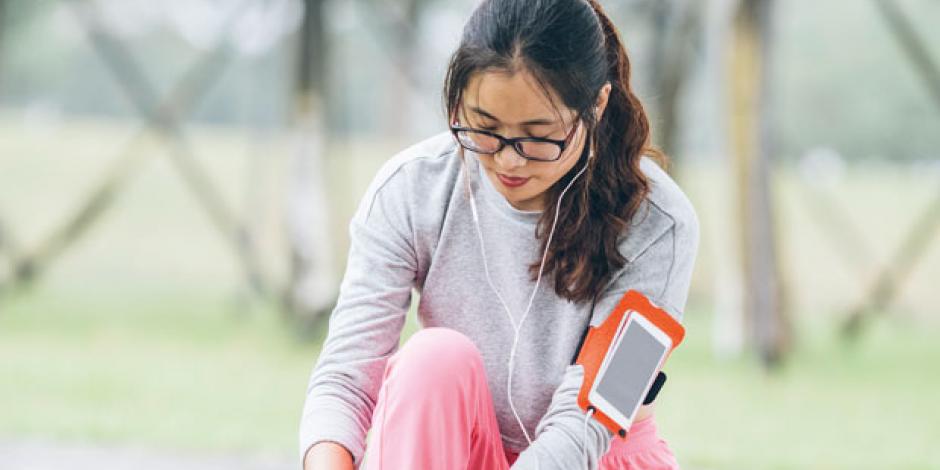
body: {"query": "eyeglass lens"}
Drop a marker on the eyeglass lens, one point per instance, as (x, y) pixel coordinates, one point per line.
(485, 143)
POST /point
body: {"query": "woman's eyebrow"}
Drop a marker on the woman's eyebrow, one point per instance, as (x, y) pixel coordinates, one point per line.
(531, 122)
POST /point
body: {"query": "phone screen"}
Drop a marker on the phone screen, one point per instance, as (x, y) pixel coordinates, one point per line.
(630, 369)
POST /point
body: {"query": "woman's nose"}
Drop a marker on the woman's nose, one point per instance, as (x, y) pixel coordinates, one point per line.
(508, 158)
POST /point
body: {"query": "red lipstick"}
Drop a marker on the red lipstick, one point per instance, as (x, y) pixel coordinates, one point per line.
(511, 182)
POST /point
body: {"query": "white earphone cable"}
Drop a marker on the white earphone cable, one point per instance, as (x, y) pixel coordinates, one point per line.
(584, 436)
(538, 281)
(512, 352)
(486, 269)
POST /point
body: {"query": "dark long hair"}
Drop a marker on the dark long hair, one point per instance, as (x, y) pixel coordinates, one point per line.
(571, 47)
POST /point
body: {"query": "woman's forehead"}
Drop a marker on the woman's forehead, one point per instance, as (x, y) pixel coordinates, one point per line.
(515, 99)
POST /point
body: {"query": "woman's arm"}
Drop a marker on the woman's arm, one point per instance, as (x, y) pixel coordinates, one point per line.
(660, 254)
(365, 326)
(328, 455)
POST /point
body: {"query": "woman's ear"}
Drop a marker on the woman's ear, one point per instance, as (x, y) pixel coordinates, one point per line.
(601, 103)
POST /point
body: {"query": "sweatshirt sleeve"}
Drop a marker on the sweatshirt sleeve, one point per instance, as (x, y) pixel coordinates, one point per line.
(365, 326)
(660, 257)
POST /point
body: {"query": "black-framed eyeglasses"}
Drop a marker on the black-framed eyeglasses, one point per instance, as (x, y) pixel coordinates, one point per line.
(531, 148)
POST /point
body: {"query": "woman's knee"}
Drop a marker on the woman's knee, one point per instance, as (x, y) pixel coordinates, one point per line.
(442, 350)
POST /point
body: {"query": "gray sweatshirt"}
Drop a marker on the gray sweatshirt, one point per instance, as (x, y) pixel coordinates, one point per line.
(413, 231)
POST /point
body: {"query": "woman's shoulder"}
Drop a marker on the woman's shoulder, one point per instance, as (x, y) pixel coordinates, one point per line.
(426, 161)
(665, 195)
(423, 171)
(666, 208)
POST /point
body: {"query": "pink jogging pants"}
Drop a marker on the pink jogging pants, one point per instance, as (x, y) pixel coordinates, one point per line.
(435, 411)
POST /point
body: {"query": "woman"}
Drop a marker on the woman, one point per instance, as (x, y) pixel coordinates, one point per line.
(544, 175)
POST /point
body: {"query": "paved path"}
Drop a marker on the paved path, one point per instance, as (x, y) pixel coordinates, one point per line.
(49, 455)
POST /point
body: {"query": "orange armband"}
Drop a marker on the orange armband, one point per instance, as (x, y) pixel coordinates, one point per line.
(597, 341)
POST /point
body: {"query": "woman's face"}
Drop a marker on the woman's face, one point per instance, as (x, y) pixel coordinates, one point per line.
(514, 106)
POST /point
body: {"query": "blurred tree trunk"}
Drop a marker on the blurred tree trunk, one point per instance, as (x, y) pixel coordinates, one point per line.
(8, 247)
(727, 328)
(749, 76)
(2, 17)
(409, 49)
(311, 291)
(395, 24)
(676, 24)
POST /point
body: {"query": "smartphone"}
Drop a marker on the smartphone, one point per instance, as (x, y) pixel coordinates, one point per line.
(625, 376)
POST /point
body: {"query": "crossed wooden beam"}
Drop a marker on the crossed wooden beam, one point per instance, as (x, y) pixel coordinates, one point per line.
(162, 118)
(920, 235)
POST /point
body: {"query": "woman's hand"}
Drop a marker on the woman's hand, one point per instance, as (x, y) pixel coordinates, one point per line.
(328, 456)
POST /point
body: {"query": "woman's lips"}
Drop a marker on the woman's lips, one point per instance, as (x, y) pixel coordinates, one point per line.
(511, 182)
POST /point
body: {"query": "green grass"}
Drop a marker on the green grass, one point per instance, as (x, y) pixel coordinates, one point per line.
(140, 334)
(188, 371)
(833, 405)
(184, 371)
